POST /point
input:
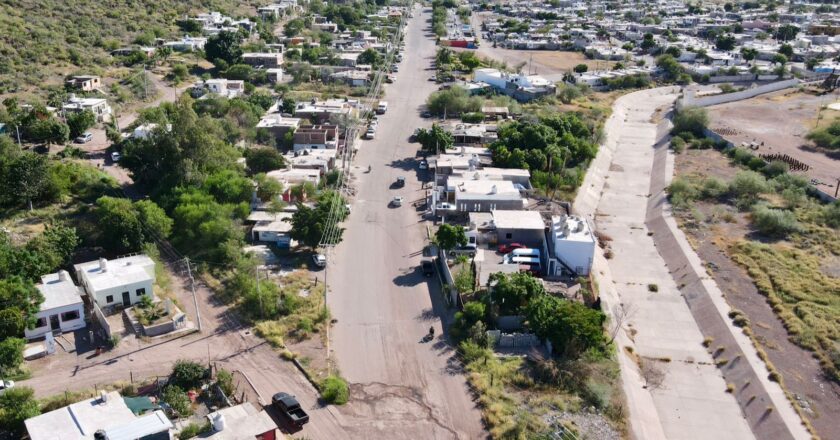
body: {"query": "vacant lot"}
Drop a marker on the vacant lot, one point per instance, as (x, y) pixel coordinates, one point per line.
(780, 122)
(785, 288)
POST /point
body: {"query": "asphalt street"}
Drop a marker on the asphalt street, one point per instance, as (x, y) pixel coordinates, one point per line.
(383, 304)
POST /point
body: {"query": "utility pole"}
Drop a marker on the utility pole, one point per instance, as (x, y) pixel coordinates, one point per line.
(259, 295)
(145, 88)
(192, 287)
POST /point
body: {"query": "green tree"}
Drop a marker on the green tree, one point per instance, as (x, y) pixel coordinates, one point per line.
(310, 224)
(11, 323)
(571, 327)
(450, 236)
(228, 186)
(786, 32)
(11, 354)
(80, 122)
(581, 68)
(510, 293)
(748, 53)
(670, 66)
(25, 179)
(262, 160)
(288, 105)
(126, 226)
(786, 50)
(187, 374)
(725, 42)
(469, 60)
(435, 140)
(16, 405)
(370, 56)
(294, 27)
(268, 189)
(223, 46)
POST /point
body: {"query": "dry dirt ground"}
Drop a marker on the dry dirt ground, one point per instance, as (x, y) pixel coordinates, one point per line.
(543, 62)
(781, 120)
(801, 372)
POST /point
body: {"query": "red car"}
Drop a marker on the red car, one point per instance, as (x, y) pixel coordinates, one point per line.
(508, 248)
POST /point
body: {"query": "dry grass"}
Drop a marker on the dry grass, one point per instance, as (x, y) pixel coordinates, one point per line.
(309, 315)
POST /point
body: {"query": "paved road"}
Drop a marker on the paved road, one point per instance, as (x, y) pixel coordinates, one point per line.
(383, 304)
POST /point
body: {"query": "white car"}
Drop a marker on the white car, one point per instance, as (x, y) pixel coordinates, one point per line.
(115, 156)
(444, 206)
(424, 165)
(5, 385)
(397, 201)
(319, 260)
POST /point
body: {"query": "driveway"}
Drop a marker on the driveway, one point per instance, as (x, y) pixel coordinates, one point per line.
(383, 304)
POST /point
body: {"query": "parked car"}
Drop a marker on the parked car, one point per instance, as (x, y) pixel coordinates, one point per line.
(413, 137)
(5, 385)
(444, 206)
(428, 266)
(507, 248)
(426, 114)
(319, 260)
(400, 182)
(370, 133)
(115, 156)
(84, 138)
(462, 250)
(397, 201)
(290, 408)
(423, 165)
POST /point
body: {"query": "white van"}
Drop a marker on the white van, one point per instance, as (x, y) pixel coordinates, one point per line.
(382, 108)
(525, 252)
(532, 262)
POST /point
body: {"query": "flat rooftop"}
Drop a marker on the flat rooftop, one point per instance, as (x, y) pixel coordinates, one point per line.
(518, 220)
(79, 421)
(57, 292)
(571, 228)
(118, 272)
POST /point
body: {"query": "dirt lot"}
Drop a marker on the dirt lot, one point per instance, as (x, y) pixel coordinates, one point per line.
(802, 375)
(780, 121)
(543, 62)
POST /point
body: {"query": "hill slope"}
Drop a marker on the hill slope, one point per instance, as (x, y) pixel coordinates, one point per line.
(42, 40)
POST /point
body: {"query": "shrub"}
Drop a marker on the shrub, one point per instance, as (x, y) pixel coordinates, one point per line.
(746, 188)
(831, 214)
(193, 430)
(187, 374)
(678, 144)
(334, 390)
(713, 188)
(597, 394)
(774, 222)
(681, 193)
(775, 168)
(178, 399)
(653, 287)
(692, 120)
(225, 380)
(473, 117)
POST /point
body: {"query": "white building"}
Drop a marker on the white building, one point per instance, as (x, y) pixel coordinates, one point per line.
(121, 282)
(97, 106)
(187, 44)
(62, 309)
(107, 413)
(242, 422)
(272, 227)
(228, 88)
(574, 244)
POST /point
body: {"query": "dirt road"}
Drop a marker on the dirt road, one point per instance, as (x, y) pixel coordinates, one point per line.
(383, 304)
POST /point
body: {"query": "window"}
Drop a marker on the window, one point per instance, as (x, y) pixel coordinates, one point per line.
(70, 316)
(141, 291)
(109, 299)
(42, 322)
(509, 235)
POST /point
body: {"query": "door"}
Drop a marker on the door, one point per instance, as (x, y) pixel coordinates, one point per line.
(126, 299)
(54, 324)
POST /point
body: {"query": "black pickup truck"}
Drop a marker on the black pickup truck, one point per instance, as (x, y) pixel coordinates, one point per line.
(290, 408)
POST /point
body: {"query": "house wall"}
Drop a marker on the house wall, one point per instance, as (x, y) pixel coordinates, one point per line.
(576, 254)
(116, 292)
(528, 237)
(65, 326)
(467, 205)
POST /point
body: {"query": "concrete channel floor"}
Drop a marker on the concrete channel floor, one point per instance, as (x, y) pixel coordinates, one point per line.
(691, 402)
